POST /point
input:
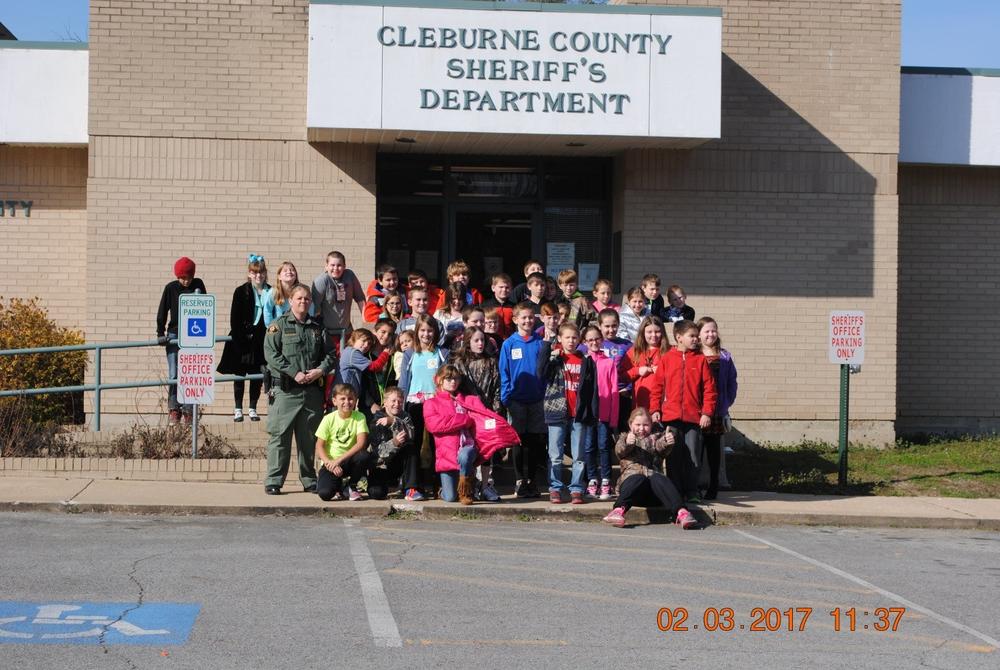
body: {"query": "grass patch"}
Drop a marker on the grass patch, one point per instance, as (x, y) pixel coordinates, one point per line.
(962, 468)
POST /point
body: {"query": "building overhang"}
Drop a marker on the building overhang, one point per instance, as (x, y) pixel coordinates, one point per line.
(949, 116)
(46, 93)
(479, 77)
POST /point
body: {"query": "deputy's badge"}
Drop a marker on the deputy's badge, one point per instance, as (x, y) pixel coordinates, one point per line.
(273, 328)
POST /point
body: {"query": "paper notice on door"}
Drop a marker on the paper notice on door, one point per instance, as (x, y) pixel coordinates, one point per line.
(561, 256)
(588, 273)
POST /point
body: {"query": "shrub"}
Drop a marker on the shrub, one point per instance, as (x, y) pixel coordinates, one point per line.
(25, 324)
(172, 441)
(22, 437)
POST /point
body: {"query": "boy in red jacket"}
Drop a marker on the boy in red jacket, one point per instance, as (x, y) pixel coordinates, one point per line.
(386, 279)
(685, 396)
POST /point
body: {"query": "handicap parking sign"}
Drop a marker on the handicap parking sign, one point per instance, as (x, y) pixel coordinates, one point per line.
(96, 623)
(197, 321)
(197, 327)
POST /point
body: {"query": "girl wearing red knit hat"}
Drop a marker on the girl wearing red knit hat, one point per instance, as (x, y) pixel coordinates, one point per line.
(166, 327)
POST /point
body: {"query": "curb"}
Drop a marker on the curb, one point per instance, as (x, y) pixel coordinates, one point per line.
(408, 510)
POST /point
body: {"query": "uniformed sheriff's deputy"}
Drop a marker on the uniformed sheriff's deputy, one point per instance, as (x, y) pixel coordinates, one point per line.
(298, 362)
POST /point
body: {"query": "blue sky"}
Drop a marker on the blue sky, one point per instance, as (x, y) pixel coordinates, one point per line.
(954, 33)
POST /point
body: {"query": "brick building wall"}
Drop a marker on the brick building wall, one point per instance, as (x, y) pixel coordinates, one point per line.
(45, 255)
(949, 299)
(198, 148)
(791, 214)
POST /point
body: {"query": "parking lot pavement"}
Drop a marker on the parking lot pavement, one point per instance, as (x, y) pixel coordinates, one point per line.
(398, 592)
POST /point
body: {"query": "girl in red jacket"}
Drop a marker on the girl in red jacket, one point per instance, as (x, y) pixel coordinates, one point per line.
(465, 432)
(643, 360)
(684, 397)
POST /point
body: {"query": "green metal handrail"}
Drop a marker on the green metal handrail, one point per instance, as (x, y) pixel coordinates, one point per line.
(98, 385)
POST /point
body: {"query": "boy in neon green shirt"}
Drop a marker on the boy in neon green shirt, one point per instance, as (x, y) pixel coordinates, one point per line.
(340, 447)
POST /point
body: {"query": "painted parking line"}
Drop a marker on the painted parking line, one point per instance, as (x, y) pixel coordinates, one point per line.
(97, 623)
(910, 605)
(385, 633)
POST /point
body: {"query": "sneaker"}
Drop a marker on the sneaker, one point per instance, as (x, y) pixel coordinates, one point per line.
(353, 494)
(488, 493)
(685, 519)
(238, 416)
(555, 497)
(337, 496)
(592, 489)
(694, 499)
(522, 491)
(615, 517)
(533, 490)
(253, 415)
(576, 498)
(607, 493)
(413, 495)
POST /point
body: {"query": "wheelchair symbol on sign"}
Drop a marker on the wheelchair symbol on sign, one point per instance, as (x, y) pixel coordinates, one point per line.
(71, 625)
(197, 327)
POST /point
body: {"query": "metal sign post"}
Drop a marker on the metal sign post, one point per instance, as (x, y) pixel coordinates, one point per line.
(847, 348)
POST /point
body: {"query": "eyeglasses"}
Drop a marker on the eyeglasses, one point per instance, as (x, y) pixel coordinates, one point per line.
(598, 340)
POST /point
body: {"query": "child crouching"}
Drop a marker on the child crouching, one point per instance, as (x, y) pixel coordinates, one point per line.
(640, 454)
(465, 432)
(340, 446)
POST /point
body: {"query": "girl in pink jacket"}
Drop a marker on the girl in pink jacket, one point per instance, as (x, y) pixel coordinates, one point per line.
(599, 438)
(465, 432)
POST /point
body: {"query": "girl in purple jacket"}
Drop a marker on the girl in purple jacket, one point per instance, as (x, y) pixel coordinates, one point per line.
(721, 363)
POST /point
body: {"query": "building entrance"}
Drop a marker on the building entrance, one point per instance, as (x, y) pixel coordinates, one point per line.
(495, 214)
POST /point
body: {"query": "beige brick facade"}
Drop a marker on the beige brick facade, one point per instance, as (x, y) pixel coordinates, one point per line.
(949, 233)
(45, 254)
(793, 213)
(197, 114)
(197, 123)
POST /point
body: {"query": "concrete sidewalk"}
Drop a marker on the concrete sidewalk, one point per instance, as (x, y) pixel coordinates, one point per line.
(733, 507)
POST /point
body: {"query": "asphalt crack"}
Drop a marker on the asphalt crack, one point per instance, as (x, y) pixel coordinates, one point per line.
(140, 598)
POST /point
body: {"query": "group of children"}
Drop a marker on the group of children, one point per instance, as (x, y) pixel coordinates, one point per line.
(444, 381)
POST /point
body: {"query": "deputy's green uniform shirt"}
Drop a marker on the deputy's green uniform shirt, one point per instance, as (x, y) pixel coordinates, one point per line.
(291, 347)
(340, 434)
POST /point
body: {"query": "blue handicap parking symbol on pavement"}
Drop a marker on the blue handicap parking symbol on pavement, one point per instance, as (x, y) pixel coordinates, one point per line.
(197, 327)
(58, 622)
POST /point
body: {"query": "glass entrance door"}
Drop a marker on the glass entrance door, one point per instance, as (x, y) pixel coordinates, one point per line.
(492, 239)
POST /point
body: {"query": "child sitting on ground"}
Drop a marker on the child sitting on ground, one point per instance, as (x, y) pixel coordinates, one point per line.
(391, 439)
(340, 446)
(640, 455)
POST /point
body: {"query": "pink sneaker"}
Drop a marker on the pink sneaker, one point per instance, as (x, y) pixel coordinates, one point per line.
(685, 519)
(607, 493)
(615, 517)
(592, 489)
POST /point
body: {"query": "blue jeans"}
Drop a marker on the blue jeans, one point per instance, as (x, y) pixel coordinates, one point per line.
(597, 451)
(466, 467)
(557, 438)
(172, 350)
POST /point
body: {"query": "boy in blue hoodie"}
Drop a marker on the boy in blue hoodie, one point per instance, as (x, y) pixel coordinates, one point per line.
(521, 392)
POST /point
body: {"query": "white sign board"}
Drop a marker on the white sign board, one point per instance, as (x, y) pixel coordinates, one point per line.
(196, 376)
(196, 327)
(548, 69)
(847, 337)
(560, 256)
